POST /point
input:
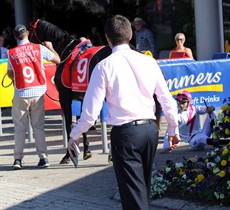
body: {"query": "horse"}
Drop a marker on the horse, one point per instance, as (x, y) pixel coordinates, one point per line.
(65, 45)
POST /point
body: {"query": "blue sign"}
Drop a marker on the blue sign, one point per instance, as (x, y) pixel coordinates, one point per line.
(207, 81)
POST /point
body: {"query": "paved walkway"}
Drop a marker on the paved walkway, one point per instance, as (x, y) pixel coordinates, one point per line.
(92, 186)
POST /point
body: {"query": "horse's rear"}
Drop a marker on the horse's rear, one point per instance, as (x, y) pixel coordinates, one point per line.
(64, 44)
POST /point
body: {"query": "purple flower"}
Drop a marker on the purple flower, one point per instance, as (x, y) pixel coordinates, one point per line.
(218, 188)
(228, 112)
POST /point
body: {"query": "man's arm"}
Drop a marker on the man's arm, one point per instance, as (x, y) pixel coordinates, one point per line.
(56, 59)
(10, 74)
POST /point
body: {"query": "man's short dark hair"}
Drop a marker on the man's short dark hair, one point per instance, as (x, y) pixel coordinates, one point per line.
(19, 31)
(118, 28)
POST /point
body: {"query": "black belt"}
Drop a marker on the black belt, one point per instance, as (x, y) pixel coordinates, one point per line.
(139, 122)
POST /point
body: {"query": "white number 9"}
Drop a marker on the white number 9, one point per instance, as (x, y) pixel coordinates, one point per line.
(28, 74)
(82, 63)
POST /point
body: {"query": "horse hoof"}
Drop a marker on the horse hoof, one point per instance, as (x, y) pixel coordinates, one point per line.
(65, 160)
(87, 155)
(110, 159)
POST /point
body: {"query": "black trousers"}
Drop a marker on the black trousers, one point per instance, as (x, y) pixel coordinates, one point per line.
(133, 151)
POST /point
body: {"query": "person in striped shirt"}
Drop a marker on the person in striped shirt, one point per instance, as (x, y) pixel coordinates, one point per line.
(26, 68)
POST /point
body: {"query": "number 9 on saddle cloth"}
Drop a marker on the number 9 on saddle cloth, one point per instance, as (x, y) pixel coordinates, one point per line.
(75, 72)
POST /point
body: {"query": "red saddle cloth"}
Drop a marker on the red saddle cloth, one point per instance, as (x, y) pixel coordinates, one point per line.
(75, 73)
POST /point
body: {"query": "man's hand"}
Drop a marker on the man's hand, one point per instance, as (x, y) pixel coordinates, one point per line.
(174, 142)
(10, 74)
(47, 44)
(70, 146)
(210, 109)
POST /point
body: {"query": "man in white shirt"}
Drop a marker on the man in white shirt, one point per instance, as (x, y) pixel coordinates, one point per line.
(128, 81)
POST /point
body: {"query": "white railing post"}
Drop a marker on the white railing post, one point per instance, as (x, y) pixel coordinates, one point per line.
(103, 117)
(0, 121)
(64, 133)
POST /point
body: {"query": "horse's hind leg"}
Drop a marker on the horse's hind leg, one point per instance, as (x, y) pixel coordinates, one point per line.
(65, 101)
(87, 154)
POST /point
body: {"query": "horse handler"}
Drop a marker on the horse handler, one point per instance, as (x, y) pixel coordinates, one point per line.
(26, 68)
(128, 81)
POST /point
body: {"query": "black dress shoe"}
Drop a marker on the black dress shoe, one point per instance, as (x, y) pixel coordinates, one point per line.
(217, 142)
(87, 155)
(65, 160)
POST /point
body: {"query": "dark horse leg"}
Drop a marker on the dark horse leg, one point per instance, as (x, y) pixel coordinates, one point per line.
(87, 153)
(65, 101)
(65, 98)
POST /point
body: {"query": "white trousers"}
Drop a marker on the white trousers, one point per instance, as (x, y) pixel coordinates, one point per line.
(22, 109)
(198, 139)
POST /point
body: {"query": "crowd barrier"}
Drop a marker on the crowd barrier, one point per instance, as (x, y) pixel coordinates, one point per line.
(50, 98)
(7, 87)
(206, 80)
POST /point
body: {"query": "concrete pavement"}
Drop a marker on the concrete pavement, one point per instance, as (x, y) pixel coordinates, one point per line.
(92, 186)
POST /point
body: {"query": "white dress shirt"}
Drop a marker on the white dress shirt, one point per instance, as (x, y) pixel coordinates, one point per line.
(128, 81)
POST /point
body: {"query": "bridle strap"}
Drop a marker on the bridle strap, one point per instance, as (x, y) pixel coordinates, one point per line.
(33, 33)
(65, 50)
(34, 26)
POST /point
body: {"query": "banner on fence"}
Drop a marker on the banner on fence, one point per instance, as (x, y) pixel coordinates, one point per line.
(206, 80)
(51, 97)
(7, 88)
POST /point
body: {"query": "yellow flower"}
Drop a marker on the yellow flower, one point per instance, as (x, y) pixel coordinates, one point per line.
(225, 151)
(200, 177)
(193, 185)
(194, 170)
(223, 162)
(181, 172)
(192, 159)
(227, 131)
(224, 107)
(226, 119)
(222, 173)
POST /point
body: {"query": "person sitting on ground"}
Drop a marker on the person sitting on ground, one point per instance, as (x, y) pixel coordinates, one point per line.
(180, 40)
(190, 129)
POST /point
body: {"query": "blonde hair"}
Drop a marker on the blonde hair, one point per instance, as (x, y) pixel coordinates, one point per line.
(180, 34)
